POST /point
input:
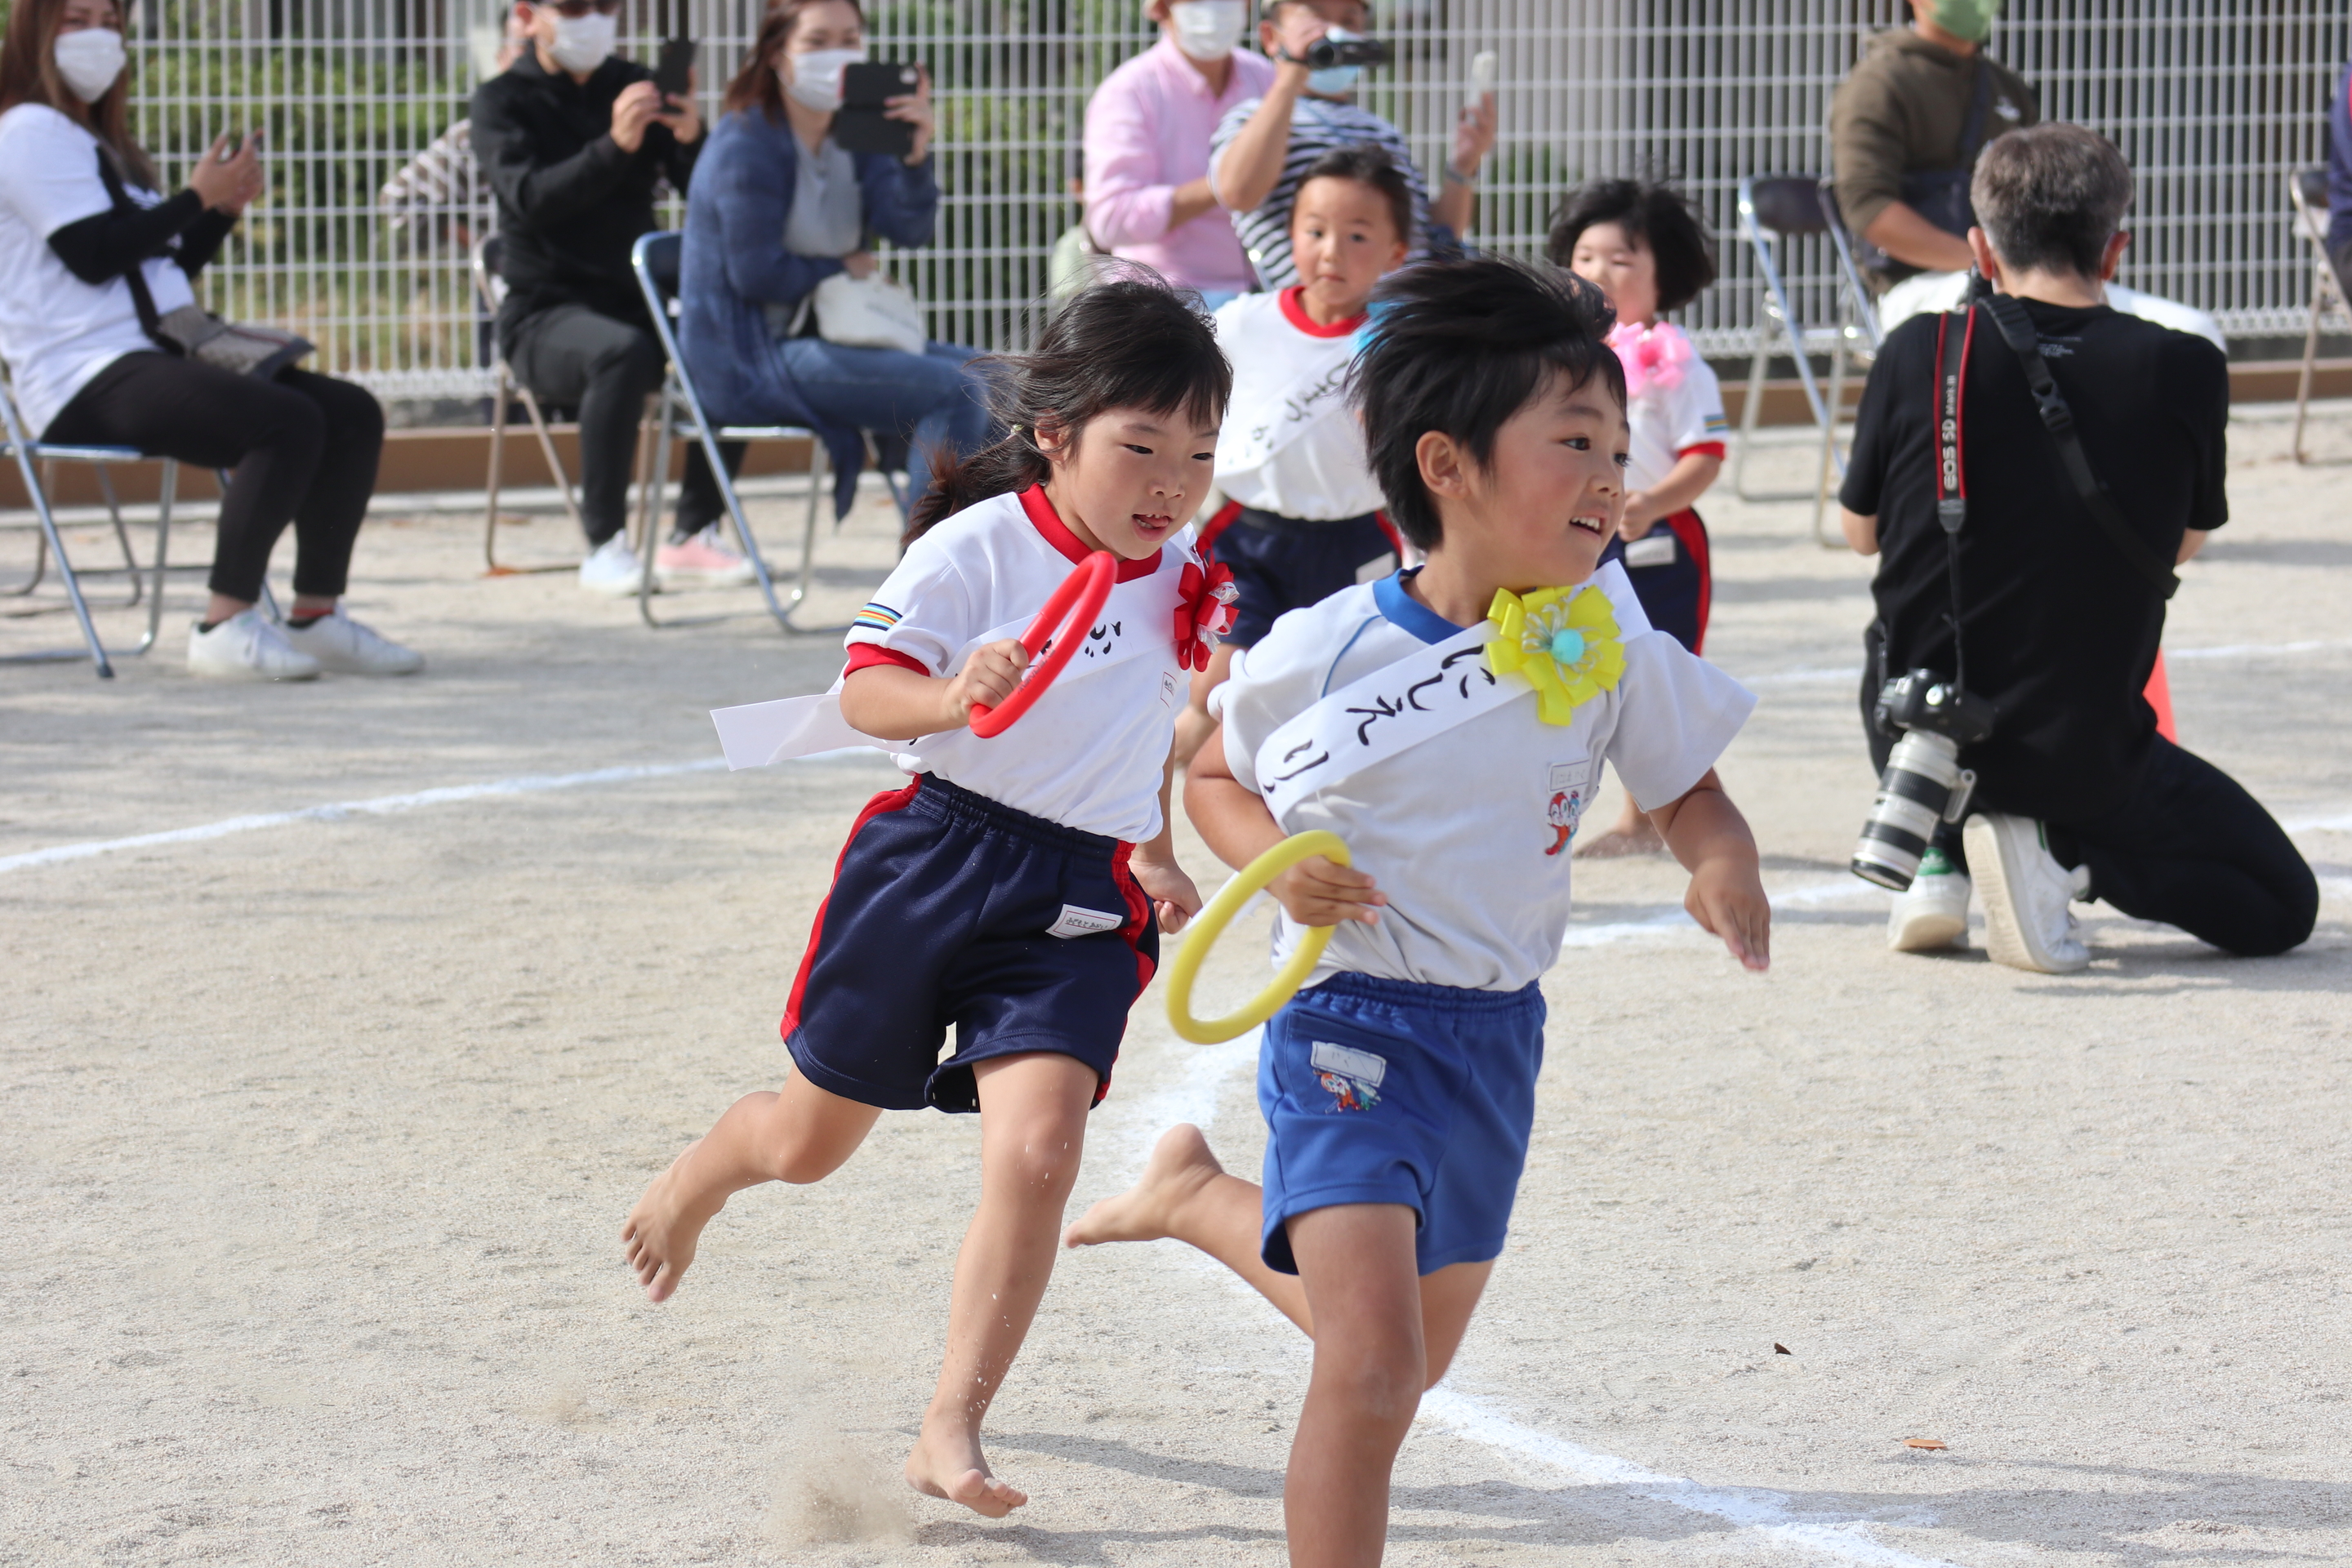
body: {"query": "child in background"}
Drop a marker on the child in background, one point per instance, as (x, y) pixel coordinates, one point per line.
(1650, 253)
(1399, 1088)
(1302, 517)
(1010, 889)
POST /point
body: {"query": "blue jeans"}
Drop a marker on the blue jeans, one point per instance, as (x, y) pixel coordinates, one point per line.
(929, 397)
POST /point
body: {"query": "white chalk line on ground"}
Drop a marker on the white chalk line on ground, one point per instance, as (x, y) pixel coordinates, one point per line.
(1208, 1071)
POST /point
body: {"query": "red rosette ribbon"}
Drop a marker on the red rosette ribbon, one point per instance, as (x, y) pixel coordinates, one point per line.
(1204, 612)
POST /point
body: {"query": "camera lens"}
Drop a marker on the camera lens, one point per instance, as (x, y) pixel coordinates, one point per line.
(1913, 795)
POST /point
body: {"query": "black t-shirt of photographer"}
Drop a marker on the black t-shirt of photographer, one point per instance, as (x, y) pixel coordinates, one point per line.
(2061, 630)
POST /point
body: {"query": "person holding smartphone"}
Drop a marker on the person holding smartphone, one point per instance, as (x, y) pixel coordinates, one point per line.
(779, 206)
(573, 140)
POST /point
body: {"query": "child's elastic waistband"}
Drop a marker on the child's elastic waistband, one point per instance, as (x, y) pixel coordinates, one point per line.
(944, 801)
(1417, 993)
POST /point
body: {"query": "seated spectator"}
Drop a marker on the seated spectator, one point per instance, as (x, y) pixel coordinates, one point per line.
(573, 140)
(1147, 147)
(2339, 184)
(93, 257)
(2077, 796)
(1905, 127)
(777, 209)
(1262, 150)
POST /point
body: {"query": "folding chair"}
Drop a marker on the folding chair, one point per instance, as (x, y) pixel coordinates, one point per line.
(28, 452)
(656, 259)
(1774, 210)
(491, 290)
(2307, 193)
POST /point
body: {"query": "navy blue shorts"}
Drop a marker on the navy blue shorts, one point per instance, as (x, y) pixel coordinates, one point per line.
(1676, 578)
(1386, 1091)
(1282, 563)
(950, 907)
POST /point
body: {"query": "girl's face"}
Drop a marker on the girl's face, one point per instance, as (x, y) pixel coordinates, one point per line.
(1343, 238)
(1131, 479)
(1626, 269)
(1547, 503)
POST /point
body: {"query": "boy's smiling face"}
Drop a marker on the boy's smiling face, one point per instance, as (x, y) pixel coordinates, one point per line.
(1541, 512)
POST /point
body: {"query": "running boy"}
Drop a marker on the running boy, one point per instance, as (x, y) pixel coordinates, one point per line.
(1302, 517)
(1399, 1090)
(1010, 889)
(1649, 252)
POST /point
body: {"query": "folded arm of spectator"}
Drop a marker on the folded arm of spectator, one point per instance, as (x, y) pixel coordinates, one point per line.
(902, 200)
(107, 245)
(548, 192)
(755, 192)
(1244, 171)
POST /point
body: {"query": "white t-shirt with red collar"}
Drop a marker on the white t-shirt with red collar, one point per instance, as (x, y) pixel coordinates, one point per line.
(1672, 422)
(1290, 445)
(1090, 753)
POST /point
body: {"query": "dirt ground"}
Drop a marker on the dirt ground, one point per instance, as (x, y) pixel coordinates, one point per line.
(319, 1132)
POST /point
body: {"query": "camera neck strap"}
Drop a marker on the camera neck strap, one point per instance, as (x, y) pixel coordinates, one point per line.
(1951, 472)
(2017, 330)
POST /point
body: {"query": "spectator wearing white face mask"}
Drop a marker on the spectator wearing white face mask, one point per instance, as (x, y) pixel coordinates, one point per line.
(1147, 147)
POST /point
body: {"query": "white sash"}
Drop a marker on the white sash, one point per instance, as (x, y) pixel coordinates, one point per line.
(1419, 697)
(758, 733)
(1254, 431)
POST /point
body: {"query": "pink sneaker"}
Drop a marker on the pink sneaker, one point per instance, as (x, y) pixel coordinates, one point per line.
(702, 559)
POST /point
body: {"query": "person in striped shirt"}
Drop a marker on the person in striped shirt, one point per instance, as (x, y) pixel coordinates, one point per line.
(1262, 149)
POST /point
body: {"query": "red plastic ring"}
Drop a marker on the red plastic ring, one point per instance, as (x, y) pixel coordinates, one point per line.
(1072, 609)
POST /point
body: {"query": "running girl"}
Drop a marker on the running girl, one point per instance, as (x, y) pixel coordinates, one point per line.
(1649, 252)
(1302, 519)
(1010, 889)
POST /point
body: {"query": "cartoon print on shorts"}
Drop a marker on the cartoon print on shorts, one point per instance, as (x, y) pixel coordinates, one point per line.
(1570, 784)
(1352, 1078)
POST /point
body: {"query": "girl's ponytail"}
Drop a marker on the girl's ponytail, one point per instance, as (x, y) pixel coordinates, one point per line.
(1128, 341)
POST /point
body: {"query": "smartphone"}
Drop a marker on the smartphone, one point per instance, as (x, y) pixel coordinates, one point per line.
(237, 144)
(859, 125)
(672, 76)
(1482, 73)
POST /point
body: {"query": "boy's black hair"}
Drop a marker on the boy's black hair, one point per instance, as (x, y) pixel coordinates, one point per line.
(1128, 341)
(1461, 346)
(1651, 212)
(1367, 165)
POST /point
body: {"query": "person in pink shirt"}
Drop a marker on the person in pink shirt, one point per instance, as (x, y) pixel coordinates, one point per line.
(1147, 147)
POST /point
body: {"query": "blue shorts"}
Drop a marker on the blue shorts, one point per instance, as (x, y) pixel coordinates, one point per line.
(1386, 1091)
(950, 907)
(1672, 575)
(1283, 563)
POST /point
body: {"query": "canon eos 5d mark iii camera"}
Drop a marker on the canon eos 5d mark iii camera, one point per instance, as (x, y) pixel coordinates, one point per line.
(1924, 785)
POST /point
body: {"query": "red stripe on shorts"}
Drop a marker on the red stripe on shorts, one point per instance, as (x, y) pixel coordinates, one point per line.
(1688, 529)
(888, 800)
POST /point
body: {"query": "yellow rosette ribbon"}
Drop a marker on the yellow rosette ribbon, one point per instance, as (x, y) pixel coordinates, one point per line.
(1563, 640)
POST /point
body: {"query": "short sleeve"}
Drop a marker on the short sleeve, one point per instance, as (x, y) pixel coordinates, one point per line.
(1677, 715)
(2208, 498)
(1698, 417)
(50, 167)
(924, 610)
(1873, 437)
(1271, 683)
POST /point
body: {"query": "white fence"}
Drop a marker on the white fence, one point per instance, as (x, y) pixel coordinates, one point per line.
(2213, 100)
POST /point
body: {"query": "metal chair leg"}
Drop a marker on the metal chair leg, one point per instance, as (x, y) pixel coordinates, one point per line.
(491, 482)
(121, 534)
(818, 465)
(555, 460)
(1830, 456)
(166, 491)
(40, 569)
(96, 652)
(2310, 357)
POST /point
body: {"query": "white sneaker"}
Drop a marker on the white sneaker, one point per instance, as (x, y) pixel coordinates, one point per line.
(704, 557)
(247, 648)
(613, 568)
(342, 645)
(2026, 892)
(1934, 912)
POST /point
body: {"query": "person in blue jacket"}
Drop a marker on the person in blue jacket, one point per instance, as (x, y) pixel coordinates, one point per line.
(2339, 181)
(775, 209)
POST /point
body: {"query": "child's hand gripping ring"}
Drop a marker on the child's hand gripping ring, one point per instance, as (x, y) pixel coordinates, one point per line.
(1072, 611)
(1210, 922)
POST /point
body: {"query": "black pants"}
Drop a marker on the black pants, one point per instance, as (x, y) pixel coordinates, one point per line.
(607, 369)
(303, 448)
(2189, 848)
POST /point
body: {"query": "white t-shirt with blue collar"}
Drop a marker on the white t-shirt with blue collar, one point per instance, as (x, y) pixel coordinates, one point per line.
(1468, 834)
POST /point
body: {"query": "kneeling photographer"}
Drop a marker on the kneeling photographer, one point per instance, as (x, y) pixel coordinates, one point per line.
(2032, 468)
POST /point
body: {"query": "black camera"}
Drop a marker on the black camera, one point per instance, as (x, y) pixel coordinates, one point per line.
(1924, 784)
(1325, 53)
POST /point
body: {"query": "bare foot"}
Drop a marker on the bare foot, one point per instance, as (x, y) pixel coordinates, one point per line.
(949, 1464)
(1180, 1166)
(661, 1230)
(1639, 836)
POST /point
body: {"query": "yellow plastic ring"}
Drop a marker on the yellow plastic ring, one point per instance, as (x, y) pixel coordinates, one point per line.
(1210, 922)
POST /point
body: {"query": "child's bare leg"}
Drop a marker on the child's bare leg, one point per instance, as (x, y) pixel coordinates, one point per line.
(801, 1134)
(1447, 1298)
(1193, 724)
(1370, 1367)
(1185, 1196)
(1032, 1123)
